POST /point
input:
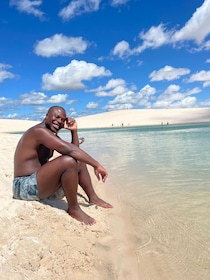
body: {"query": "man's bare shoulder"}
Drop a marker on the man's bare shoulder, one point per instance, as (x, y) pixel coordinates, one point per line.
(38, 131)
(38, 128)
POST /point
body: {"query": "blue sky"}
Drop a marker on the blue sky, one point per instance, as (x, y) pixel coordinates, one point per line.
(94, 56)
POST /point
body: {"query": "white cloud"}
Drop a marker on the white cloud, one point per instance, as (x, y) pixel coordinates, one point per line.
(4, 100)
(129, 99)
(60, 44)
(33, 98)
(186, 102)
(39, 98)
(112, 88)
(155, 37)
(12, 116)
(168, 73)
(70, 77)
(113, 83)
(147, 91)
(118, 90)
(194, 90)
(111, 107)
(202, 76)
(205, 46)
(78, 7)
(173, 98)
(122, 49)
(205, 103)
(92, 105)
(58, 98)
(198, 27)
(118, 2)
(28, 6)
(206, 84)
(171, 94)
(4, 74)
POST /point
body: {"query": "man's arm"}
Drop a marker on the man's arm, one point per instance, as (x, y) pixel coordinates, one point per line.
(49, 140)
(71, 125)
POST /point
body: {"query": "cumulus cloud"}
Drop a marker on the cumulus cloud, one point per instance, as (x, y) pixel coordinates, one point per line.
(38, 98)
(5, 100)
(202, 76)
(30, 7)
(147, 91)
(57, 98)
(113, 83)
(60, 44)
(33, 98)
(196, 29)
(172, 97)
(4, 74)
(168, 73)
(115, 91)
(186, 102)
(78, 7)
(92, 105)
(70, 77)
(155, 37)
(113, 87)
(122, 49)
(130, 99)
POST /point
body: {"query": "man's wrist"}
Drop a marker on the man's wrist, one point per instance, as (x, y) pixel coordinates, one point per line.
(73, 130)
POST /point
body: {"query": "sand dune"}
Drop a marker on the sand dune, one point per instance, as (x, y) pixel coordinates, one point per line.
(145, 117)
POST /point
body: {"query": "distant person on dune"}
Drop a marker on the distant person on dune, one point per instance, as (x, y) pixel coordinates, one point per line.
(36, 178)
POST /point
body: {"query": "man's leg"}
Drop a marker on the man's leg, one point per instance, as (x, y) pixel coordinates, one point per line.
(62, 170)
(86, 183)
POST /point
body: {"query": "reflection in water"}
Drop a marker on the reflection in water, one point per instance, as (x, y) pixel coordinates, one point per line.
(162, 177)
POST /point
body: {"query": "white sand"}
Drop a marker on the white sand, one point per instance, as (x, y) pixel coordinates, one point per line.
(38, 241)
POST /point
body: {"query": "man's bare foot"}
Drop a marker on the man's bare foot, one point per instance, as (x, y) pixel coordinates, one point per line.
(80, 216)
(99, 202)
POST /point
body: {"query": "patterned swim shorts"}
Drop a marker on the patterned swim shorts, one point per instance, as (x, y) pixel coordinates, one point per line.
(25, 187)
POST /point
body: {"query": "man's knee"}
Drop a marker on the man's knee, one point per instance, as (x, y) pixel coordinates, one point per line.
(81, 165)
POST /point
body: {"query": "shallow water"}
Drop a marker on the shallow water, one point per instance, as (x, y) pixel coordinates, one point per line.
(162, 180)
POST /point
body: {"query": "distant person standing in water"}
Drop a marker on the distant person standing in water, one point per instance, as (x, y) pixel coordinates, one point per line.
(36, 178)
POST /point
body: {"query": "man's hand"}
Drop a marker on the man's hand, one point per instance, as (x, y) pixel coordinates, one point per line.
(70, 124)
(101, 173)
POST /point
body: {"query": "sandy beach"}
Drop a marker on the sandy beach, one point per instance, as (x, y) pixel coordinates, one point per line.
(39, 240)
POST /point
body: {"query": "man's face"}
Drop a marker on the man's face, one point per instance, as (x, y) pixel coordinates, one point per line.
(55, 119)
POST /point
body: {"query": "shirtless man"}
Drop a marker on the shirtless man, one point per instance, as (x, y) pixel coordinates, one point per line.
(36, 178)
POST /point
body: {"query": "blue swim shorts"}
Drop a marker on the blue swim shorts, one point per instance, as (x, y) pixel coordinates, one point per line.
(25, 187)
